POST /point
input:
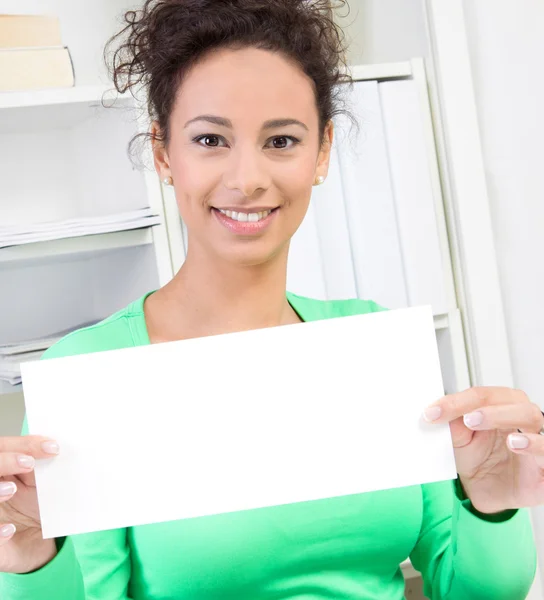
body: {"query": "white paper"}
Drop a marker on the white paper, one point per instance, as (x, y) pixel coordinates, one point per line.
(17, 235)
(238, 421)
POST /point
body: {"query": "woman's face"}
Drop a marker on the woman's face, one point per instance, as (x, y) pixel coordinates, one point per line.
(243, 154)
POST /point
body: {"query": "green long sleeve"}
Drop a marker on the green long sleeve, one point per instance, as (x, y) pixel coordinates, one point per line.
(464, 556)
(58, 580)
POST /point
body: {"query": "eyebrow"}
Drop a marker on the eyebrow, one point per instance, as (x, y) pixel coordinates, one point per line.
(271, 124)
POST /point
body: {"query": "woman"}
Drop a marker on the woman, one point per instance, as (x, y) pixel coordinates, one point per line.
(241, 94)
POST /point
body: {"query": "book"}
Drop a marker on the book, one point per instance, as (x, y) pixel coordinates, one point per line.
(23, 31)
(35, 68)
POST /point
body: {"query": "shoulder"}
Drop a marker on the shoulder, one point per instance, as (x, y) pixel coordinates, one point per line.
(312, 310)
(122, 329)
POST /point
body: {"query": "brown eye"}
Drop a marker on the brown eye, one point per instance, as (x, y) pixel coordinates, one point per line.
(280, 142)
(210, 141)
(283, 142)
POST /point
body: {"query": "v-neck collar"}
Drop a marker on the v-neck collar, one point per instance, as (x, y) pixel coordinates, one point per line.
(306, 308)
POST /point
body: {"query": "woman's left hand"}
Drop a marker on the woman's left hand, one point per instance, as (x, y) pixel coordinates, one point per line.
(499, 467)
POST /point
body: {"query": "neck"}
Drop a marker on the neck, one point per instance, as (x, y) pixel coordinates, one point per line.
(209, 297)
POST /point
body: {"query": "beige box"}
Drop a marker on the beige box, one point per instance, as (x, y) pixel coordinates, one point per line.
(23, 31)
(35, 68)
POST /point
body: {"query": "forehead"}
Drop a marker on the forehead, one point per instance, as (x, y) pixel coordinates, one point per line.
(247, 85)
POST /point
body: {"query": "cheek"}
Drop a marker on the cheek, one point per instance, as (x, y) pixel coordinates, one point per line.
(296, 186)
(194, 182)
(191, 174)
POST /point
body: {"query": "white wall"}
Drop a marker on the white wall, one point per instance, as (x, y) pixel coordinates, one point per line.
(506, 45)
(384, 30)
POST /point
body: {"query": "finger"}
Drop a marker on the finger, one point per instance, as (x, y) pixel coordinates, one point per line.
(526, 443)
(526, 417)
(456, 405)
(34, 445)
(7, 490)
(7, 531)
(13, 463)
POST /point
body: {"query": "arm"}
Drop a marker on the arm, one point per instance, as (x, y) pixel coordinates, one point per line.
(464, 554)
(92, 566)
(87, 567)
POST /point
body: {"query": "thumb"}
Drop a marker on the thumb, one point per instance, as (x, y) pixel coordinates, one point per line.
(28, 479)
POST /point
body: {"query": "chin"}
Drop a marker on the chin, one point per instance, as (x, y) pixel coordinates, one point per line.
(252, 253)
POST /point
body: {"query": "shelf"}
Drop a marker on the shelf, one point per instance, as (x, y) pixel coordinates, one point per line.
(381, 71)
(27, 112)
(441, 321)
(69, 247)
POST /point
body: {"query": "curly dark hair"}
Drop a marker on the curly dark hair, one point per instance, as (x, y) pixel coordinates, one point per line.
(162, 41)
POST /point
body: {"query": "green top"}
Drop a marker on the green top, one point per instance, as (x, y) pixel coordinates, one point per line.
(348, 547)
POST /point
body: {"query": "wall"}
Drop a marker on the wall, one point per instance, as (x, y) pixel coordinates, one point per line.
(506, 49)
(384, 30)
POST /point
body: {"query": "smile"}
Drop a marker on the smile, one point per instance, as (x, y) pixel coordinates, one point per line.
(246, 223)
(245, 217)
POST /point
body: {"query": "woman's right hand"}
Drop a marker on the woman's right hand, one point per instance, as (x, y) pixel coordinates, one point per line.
(22, 547)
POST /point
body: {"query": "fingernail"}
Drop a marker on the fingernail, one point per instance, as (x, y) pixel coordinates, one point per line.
(518, 441)
(473, 419)
(7, 488)
(432, 413)
(50, 447)
(27, 462)
(7, 530)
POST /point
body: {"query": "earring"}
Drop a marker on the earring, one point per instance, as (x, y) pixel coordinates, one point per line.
(319, 180)
(167, 181)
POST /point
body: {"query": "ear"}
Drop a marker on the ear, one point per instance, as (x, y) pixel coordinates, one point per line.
(324, 156)
(160, 154)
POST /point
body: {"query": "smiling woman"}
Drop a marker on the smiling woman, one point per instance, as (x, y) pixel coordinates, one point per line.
(241, 97)
(243, 128)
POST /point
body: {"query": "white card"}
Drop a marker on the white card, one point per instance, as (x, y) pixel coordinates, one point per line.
(238, 421)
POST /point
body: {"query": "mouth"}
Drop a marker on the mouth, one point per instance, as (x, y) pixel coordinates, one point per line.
(247, 217)
(245, 222)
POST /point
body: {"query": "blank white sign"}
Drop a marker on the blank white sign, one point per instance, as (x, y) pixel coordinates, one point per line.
(238, 421)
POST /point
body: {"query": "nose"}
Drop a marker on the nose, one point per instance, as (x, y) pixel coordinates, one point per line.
(246, 171)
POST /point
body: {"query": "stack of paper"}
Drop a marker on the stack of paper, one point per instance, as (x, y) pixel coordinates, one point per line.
(12, 355)
(15, 235)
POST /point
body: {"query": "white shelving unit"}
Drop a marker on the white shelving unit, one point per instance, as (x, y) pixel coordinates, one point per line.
(63, 155)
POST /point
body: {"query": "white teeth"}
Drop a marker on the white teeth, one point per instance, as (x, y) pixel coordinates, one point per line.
(243, 217)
